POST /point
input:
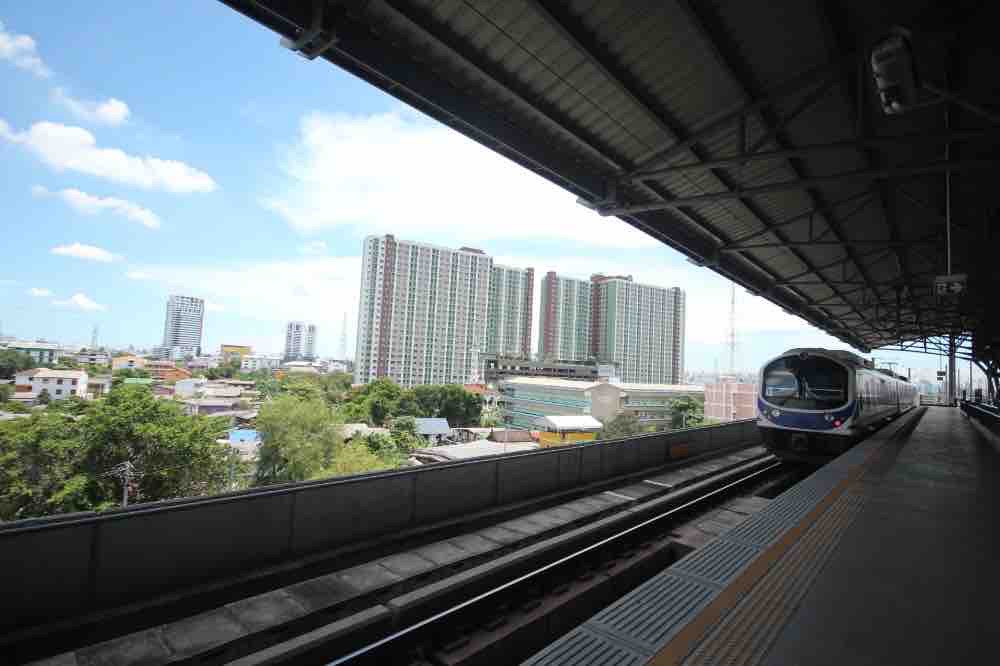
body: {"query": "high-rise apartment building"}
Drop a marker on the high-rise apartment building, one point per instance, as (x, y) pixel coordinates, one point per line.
(564, 333)
(182, 327)
(639, 328)
(423, 312)
(508, 326)
(300, 341)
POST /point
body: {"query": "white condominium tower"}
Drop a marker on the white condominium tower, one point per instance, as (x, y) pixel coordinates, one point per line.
(424, 313)
(564, 333)
(508, 327)
(300, 341)
(182, 326)
(639, 328)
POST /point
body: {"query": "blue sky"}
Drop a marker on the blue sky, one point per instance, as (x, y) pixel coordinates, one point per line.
(157, 148)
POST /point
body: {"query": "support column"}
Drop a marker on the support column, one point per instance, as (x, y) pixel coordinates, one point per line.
(952, 393)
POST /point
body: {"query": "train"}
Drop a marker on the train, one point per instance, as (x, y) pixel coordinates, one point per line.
(815, 404)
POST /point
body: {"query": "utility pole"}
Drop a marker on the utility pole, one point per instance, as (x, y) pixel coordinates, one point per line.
(125, 471)
(732, 329)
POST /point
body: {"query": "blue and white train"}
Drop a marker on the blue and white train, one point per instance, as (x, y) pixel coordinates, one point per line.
(814, 404)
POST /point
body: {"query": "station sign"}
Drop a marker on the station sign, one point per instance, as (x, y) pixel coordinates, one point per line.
(940, 375)
(949, 285)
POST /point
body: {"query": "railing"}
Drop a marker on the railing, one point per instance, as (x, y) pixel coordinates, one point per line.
(72, 564)
(987, 415)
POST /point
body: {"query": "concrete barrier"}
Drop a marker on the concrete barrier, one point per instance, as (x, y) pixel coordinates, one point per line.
(62, 566)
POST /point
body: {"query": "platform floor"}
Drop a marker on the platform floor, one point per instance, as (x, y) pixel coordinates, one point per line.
(915, 579)
(888, 555)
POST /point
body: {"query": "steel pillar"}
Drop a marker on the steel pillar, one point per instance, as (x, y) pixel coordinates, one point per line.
(951, 370)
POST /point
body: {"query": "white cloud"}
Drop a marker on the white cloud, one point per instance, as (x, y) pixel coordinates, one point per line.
(214, 307)
(21, 51)
(69, 148)
(138, 275)
(400, 173)
(80, 251)
(80, 301)
(111, 111)
(89, 204)
(39, 291)
(313, 247)
(316, 289)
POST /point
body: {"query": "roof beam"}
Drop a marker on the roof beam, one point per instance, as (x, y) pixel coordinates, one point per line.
(815, 149)
(804, 184)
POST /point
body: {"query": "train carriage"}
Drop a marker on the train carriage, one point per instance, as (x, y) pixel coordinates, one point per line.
(814, 404)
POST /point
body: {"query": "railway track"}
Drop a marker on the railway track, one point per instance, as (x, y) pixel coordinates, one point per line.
(569, 578)
(403, 607)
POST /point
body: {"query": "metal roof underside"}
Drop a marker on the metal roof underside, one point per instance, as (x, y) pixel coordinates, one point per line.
(746, 135)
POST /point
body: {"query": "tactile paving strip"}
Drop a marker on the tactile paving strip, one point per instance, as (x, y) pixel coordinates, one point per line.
(748, 631)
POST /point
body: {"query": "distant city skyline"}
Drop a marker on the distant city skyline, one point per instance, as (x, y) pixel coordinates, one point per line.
(255, 195)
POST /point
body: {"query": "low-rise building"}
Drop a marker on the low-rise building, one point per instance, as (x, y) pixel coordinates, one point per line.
(229, 352)
(166, 371)
(562, 430)
(98, 386)
(466, 450)
(190, 387)
(254, 362)
(128, 362)
(209, 406)
(730, 400)
(58, 384)
(203, 363)
(93, 357)
(303, 367)
(523, 400)
(434, 430)
(498, 367)
(41, 353)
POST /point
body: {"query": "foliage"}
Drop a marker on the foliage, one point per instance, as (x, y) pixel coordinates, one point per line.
(6, 391)
(353, 459)
(404, 434)
(382, 400)
(15, 407)
(228, 370)
(623, 425)
(13, 361)
(687, 412)
(117, 376)
(66, 363)
(44, 398)
(298, 439)
(50, 463)
(73, 405)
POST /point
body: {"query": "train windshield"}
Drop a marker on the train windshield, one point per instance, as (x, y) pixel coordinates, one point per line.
(812, 382)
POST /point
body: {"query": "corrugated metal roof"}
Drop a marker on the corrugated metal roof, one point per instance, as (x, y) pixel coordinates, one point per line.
(588, 91)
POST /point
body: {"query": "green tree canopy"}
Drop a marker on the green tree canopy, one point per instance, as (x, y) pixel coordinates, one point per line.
(299, 439)
(687, 412)
(13, 361)
(623, 425)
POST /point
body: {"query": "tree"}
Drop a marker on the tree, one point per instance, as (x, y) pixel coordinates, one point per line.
(13, 361)
(6, 390)
(353, 459)
(67, 363)
(44, 398)
(299, 439)
(73, 405)
(41, 463)
(623, 425)
(14, 407)
(173, 454)
(686, 412)
(404, 434)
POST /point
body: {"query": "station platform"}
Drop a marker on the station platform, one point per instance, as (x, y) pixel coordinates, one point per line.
(888, 555)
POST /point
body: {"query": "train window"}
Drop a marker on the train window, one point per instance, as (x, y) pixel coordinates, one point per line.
(813, 382)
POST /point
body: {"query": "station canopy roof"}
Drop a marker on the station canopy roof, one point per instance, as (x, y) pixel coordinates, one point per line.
(748, 135)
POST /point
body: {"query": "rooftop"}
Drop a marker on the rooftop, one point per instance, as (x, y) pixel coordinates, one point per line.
(55, 374)
(433, 426)
(571, 422)
(476, 449)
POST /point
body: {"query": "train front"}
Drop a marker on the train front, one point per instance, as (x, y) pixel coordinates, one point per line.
(805, 406)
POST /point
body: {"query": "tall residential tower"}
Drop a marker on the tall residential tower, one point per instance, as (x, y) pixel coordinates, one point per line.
(182, 327)
(639, 328)
(423, 312)
(300, 341)
(564, 333)
(508, 327)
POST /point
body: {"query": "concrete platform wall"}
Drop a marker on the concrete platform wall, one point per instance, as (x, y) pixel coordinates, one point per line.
(67, 565)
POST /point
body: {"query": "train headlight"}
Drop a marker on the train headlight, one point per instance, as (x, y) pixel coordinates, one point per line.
(828, 417)
(836, 423)
(775, 413)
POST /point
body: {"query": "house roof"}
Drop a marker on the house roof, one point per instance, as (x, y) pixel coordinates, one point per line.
(58, 374)
(571, 422)
(429, 426)
(476, 449)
